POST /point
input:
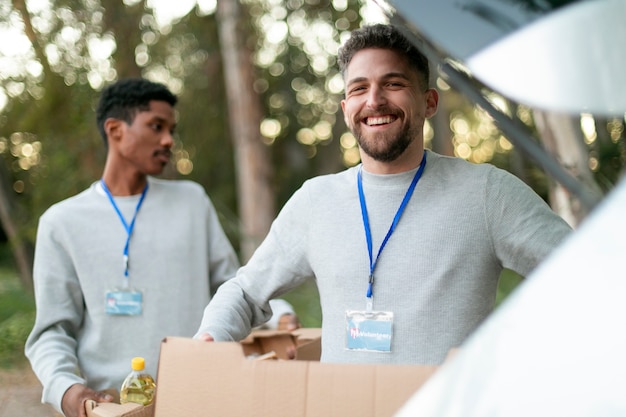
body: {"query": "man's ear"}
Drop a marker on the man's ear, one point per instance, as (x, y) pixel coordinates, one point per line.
(343, 110)
(113, 129)
(432, 101)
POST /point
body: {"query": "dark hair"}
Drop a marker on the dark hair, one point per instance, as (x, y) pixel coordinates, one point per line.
(125, 98)
(384, 37)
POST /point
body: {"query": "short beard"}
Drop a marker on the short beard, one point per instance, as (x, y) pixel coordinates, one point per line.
(395, 146)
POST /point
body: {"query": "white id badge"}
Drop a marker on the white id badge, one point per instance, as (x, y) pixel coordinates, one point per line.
(124, 302)
(369, 330)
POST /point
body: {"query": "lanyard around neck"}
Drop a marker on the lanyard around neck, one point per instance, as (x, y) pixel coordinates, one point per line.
(396, 219)
(129, 227)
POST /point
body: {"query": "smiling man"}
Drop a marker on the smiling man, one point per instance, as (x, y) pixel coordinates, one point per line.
(406, 248)
(385, 107)
(125, 263)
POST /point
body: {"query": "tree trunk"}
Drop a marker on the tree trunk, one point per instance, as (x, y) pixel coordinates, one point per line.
(117, 19)
(252, 160)
(21, 250)
(562, 137)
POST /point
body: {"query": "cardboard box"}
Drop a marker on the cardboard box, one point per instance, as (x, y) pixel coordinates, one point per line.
(219, 379)
(230, 379)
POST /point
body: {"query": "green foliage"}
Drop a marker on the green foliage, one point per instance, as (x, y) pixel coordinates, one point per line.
(13, 334)
(13, 298)
(509, 280)
(305, 301)
(17, 315)
(610, 152)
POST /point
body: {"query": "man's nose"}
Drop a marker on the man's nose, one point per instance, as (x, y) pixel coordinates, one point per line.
(167, 139)
(376, 97)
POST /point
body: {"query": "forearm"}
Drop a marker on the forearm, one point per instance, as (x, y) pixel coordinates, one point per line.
(51, 346)
(277, 266)
(51, 355)
(231, 315)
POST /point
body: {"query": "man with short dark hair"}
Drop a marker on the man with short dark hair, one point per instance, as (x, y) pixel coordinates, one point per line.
(125, 263)
(406, 248)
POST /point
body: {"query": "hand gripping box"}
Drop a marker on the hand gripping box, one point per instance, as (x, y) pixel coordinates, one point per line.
(223, 379)
(94, 409)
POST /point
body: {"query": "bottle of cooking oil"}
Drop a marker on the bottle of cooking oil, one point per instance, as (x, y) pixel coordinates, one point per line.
(139, 386)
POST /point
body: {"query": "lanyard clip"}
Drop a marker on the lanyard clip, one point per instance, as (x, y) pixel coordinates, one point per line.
(370, 297)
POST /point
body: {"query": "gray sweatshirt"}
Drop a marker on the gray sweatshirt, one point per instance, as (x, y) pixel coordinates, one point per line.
(438, 272)
(178, 254)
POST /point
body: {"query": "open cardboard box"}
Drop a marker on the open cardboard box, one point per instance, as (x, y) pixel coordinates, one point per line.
(228, 379)
(220, 379)
(260, 344)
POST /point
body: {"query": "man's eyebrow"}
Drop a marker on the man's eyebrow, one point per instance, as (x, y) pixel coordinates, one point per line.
(396, 75)
(384, 77)
(157, 118)
(356, 80)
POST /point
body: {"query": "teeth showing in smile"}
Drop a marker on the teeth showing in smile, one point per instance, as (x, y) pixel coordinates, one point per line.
(380, 120)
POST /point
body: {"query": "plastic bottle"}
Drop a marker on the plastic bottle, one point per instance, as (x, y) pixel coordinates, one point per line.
(139, 386)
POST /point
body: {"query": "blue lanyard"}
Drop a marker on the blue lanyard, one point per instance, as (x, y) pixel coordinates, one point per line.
(396, 219)
(129, 228)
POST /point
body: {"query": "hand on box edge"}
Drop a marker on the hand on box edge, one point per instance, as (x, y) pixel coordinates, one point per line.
(74, 399)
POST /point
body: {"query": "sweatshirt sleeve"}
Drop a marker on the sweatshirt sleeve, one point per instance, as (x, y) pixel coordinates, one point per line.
(278, 265)
(523, 227)
(51, 345)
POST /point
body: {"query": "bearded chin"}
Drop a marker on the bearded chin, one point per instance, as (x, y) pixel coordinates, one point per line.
(393, 146)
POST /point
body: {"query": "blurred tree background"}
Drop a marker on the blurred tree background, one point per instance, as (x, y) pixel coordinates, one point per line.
(56, 55)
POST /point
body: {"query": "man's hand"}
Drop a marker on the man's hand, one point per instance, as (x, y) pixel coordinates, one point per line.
(206, 337)
(289, 322)
(73, 403)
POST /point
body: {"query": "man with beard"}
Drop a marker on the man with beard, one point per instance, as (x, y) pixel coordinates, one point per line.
(406, 249)
(128, 261)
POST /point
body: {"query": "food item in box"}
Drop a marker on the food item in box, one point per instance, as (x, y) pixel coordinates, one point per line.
(139, 386)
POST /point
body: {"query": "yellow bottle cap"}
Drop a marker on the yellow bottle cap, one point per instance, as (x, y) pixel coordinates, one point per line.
(138, 364)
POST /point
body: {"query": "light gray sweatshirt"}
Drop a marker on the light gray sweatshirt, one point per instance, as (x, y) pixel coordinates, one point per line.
(178, 254)
(438, 272)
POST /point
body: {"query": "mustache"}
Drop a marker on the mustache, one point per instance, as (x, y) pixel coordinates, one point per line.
(382, 111)
(165, 151)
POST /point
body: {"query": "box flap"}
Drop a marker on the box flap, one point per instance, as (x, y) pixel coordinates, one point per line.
(308, 343)
(264, 341)
(306, 340)
(95, 409)
(309, 351)
(307, 334)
